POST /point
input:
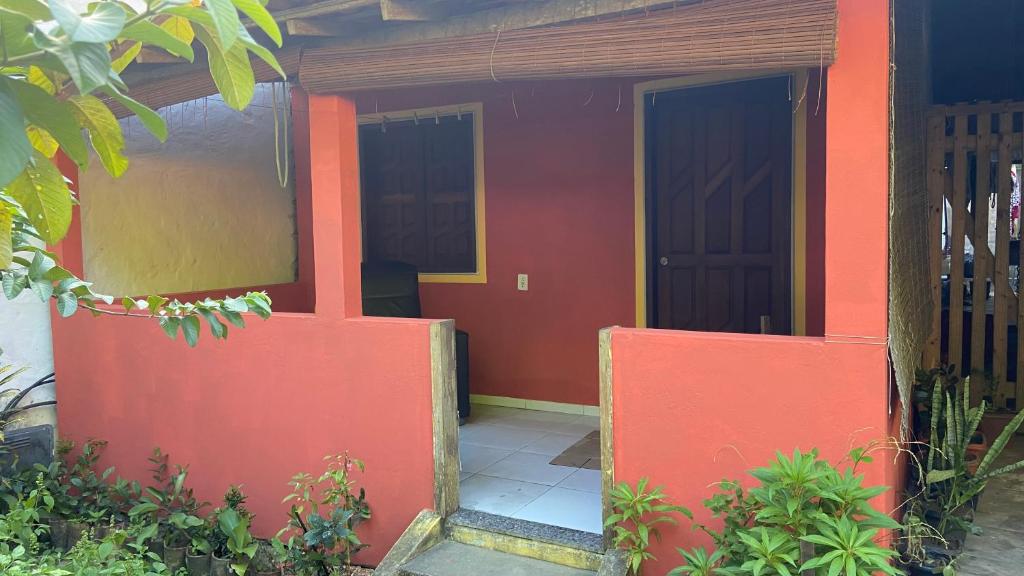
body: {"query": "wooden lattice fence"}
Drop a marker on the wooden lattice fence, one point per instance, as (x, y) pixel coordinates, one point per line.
(974, 253)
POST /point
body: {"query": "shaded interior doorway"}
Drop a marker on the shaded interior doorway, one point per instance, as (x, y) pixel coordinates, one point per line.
(719, 201)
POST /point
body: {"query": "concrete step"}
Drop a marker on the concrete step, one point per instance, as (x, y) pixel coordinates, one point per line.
(457, 559)
(553, 544)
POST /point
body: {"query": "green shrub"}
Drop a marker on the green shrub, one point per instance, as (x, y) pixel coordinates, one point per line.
(804, 515)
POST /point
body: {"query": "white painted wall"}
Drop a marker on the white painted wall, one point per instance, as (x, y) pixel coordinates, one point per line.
(202, 211)
(25, 340)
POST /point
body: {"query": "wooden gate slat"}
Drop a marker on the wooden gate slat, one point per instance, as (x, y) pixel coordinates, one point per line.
(956, 264)
(979, 239)
(1001, 275)
(936, 202)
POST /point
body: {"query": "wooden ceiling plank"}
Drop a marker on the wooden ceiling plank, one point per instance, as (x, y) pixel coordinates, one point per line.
(411, 11)
(521, 14)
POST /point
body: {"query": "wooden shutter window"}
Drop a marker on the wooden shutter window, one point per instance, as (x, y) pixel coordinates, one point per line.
(706, 36)
(418, 183)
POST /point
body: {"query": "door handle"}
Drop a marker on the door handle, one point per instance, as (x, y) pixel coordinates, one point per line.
(663, 261)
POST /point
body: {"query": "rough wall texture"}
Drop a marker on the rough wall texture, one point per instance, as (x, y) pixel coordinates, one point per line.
(25, 341)
(909, 298)
(200, 212)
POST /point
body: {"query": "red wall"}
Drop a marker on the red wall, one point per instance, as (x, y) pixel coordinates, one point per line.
(559, 193)
(270, 402)
(692, 408)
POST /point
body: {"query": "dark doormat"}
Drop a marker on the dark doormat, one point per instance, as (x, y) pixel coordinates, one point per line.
(584, 454)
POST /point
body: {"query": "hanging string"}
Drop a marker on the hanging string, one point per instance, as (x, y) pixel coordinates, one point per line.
(281, 147)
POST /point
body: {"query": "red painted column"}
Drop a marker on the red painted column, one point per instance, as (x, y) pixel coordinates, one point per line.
(857, 175)
(334, 180)
(69, 250)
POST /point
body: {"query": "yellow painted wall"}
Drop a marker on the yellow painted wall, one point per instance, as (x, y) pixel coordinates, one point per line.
(202, 211)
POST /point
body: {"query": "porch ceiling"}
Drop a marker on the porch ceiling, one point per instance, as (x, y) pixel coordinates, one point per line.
(344, 45)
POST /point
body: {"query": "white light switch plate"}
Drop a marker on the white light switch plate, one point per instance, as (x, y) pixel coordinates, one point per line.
(523, 283)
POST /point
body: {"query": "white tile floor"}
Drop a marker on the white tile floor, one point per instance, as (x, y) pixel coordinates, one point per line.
(506, 470)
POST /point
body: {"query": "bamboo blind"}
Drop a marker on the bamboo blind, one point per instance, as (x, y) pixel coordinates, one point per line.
(960, 137)
(713, 35)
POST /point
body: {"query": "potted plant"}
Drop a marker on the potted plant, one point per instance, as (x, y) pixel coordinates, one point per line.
(266, 562)
(178, 539)
(955, 476)
(197, 559)
(323, 517)
(55, 480)
(238, 547)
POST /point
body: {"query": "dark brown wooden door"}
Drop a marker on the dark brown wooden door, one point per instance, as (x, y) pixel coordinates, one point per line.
(720, 164)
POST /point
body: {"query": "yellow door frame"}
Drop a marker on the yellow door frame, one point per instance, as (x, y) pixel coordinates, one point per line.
(799, 181)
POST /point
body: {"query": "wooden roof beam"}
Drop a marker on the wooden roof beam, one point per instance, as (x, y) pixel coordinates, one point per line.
(324, 8)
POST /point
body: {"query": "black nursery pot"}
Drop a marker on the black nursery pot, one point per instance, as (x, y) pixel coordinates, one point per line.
(156, 547)
(220, 566)
(174, 558)
(76, 531)
(198, 565)
(59, 533)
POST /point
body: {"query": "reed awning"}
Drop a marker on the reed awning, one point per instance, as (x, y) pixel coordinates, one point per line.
(707, 36)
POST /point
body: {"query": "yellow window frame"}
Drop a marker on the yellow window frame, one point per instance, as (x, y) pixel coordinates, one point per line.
(479, 195)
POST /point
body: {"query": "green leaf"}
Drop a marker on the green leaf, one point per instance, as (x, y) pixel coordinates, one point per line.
(126, 57)
(233, 317)
(190, 328)
(13, 284)
(260, 16)
(6, 248)
(42, 141)
(104, 132)
(105, 550)
(102, 25)
(42, 288)
(150, 119)
(225, 21)
(170, 326)
(263, 54)
(154, 303)
(37, 77)
(149, 33)
(143, 508)
(44, 195)
(15, 149)
(54, 116)
(217, 328)
(67, 304)
(87, 64)
(231, 70)
(33, 9)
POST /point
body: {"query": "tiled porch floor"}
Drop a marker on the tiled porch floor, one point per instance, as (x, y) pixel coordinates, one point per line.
(999, 549)
(505, 456)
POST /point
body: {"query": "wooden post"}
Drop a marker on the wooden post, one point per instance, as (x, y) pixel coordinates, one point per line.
(446, 417)
(980, 241)
(956, 265)
(936, 204)
(607, 444)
